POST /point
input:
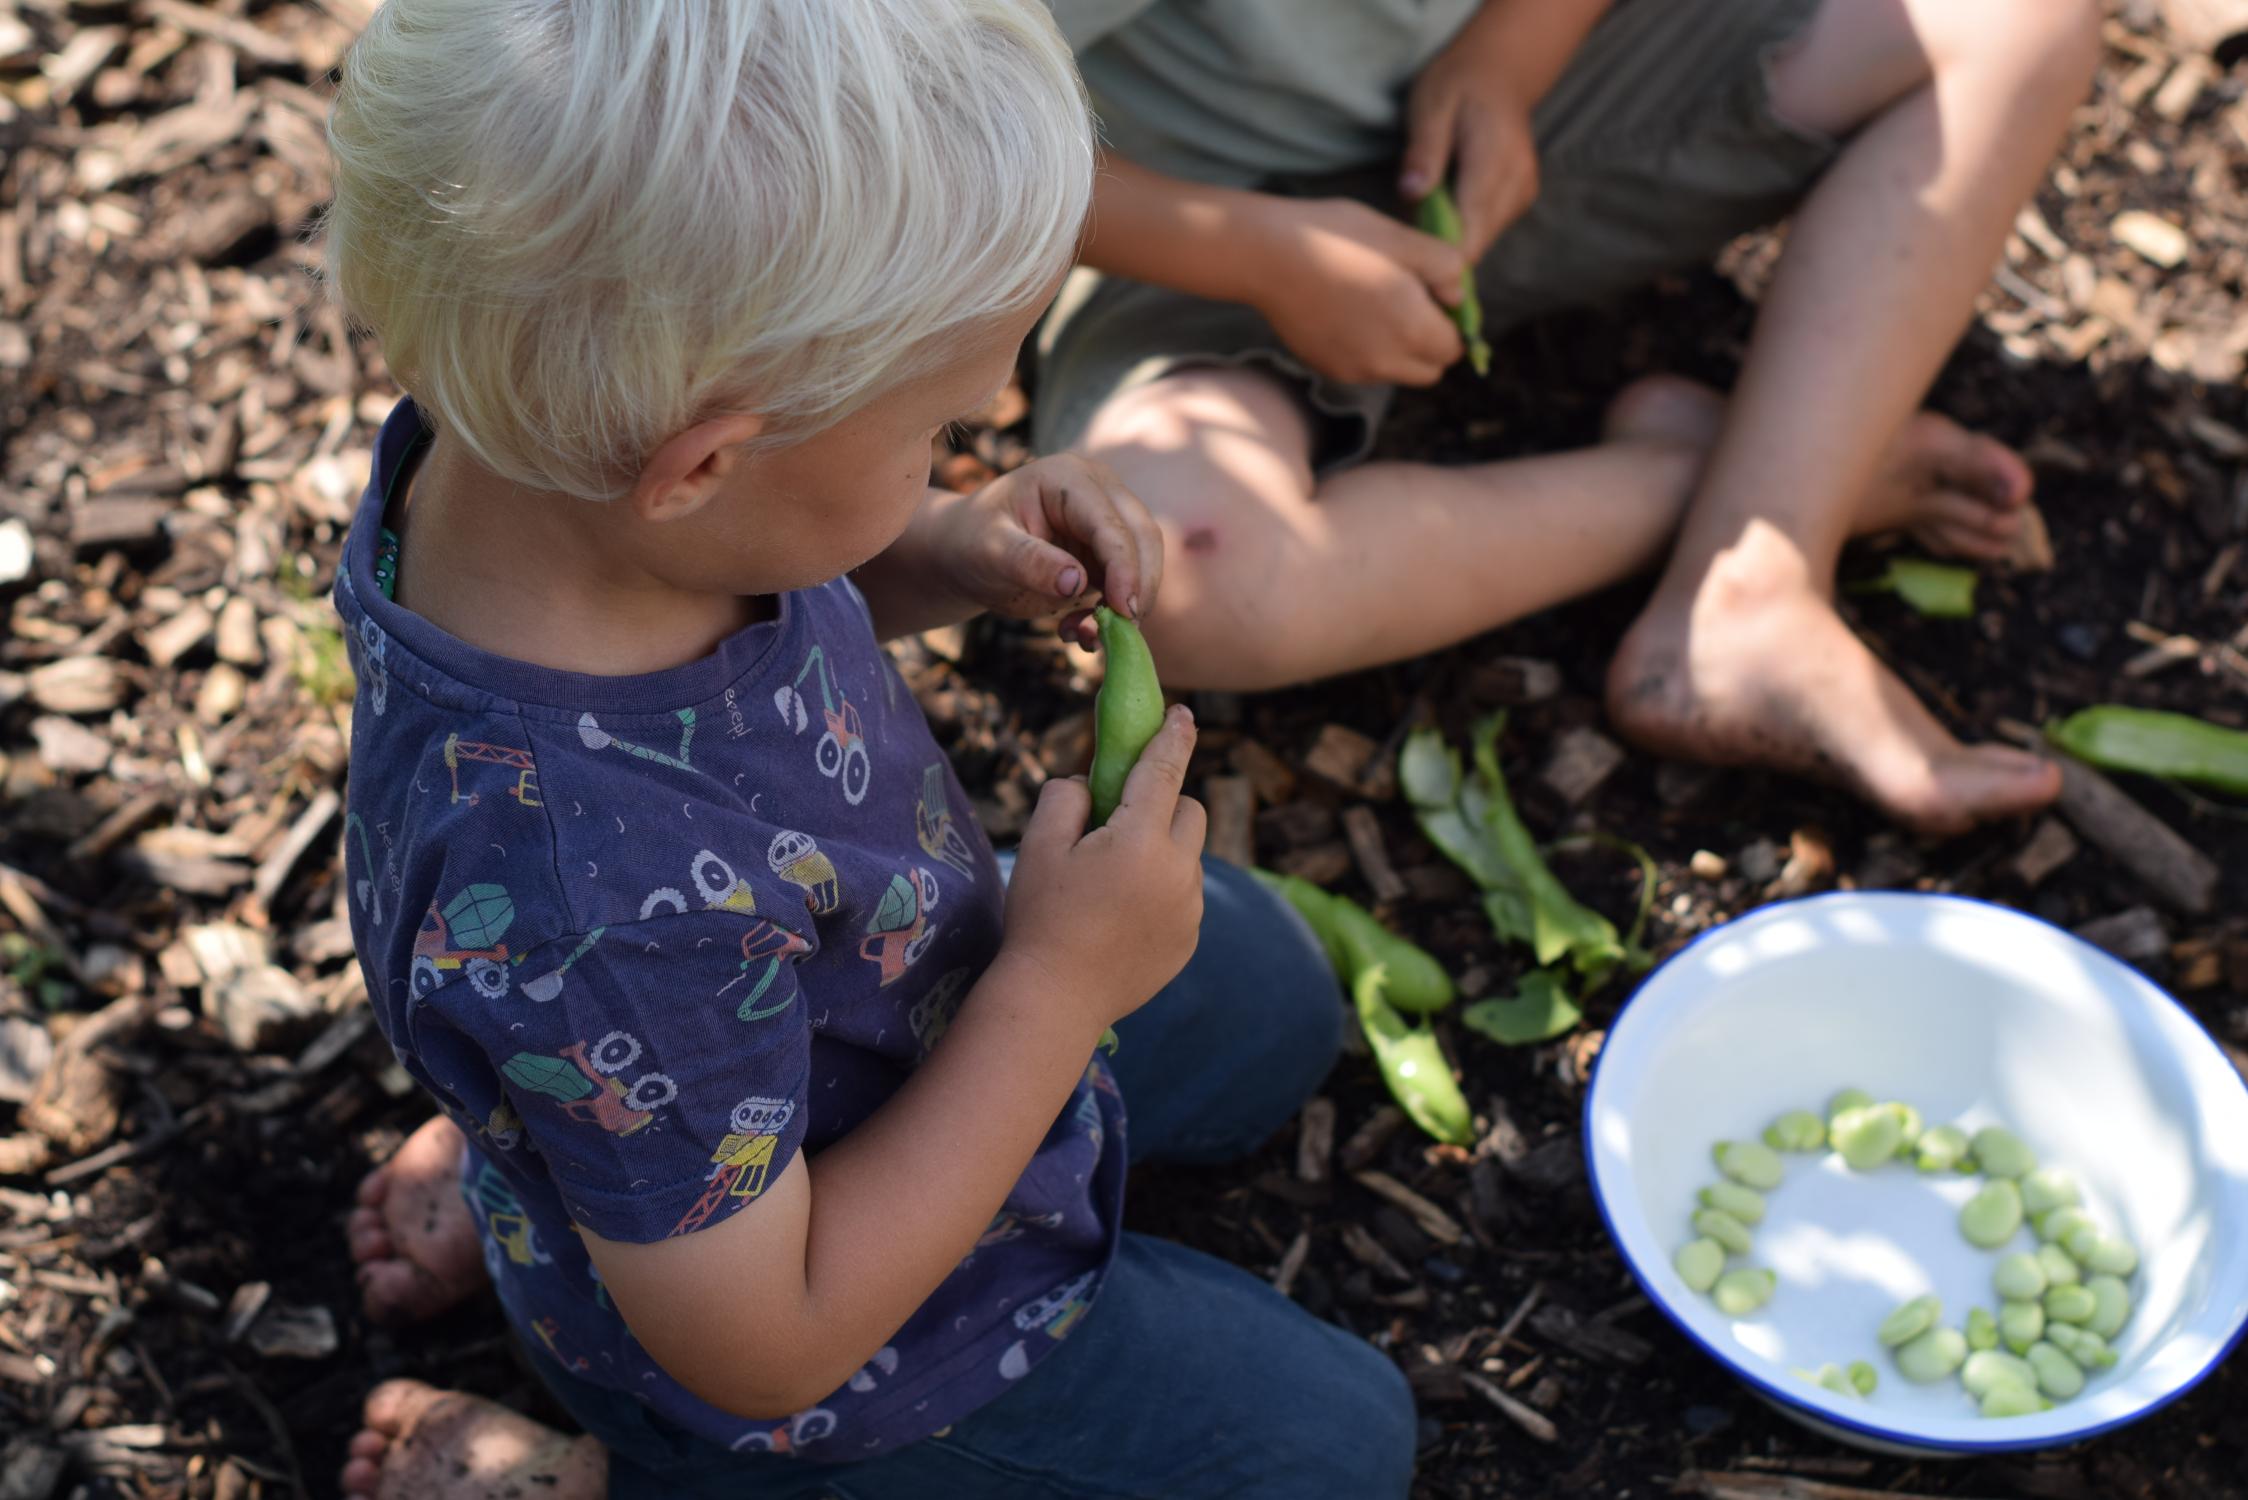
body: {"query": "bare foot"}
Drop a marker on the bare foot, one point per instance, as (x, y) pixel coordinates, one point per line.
(411, 1234)
(1958, 493)
(421, 1443)
(1750, 665)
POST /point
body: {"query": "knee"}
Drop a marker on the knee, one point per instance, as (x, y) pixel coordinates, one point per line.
(1368, 1430)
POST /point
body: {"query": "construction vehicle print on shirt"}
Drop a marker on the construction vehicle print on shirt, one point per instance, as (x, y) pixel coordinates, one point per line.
(742, 1160)
(797, 859)
(900, 930)
(584, 1082)
(765, 948)
(934, 826)
(465, 938)
(1054, 1315)
(508, 1229)
(841, 753)
(714, 881)
(932, 1014)
(506, 757)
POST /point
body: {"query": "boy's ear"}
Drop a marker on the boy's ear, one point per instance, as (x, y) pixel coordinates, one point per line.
(686, 471)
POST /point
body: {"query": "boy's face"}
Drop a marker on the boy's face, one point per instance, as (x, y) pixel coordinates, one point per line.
(793, 517)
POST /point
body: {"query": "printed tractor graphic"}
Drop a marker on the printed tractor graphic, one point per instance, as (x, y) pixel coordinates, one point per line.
(742, 1159)
(765, 947)
(841, 752)
(465, 938)
(507, 757)
(933, 824)
(797, 859)
(900, 932)
(583, 1082)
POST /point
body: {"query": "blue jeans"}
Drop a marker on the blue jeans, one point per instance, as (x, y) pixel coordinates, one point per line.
(1190, 1379)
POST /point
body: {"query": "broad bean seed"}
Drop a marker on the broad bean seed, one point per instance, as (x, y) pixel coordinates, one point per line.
(2060, 1267)
(2000, 1153)
(1797, 1130)
(1994, 1367)
(2021, 1324)
(1991, 1217)
(1716, 1224)
(1864, 1377)
(2111, 1305)
(2049, 1188)
(1982, 1329)
(1846, 1099)
(1744, 1204)
(1910, 1321)
(2019, 1277)
(1836, 1379)
(1743, 1290)
(1750, 1163)
(2070, 1304)
(2057, 1374)
(2012, 1400)
(2087, 1348)
(1909, 1123)
(1941, 1148)
(1699, 1263)
(2112, 1255)
(1932, 1356)
(1866, 1137)
(2055, 1227)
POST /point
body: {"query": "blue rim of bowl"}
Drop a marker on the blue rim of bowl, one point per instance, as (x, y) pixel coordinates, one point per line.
(1789, 1398)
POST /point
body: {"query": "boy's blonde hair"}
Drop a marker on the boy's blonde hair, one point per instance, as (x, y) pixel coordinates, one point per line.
(579, 226)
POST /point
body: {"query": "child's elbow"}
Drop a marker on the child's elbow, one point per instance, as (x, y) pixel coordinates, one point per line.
(771, 1390)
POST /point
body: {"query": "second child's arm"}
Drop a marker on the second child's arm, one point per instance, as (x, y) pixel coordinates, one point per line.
(773, 1309)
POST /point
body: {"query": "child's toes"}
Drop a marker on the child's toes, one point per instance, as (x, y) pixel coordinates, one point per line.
(373, 1187)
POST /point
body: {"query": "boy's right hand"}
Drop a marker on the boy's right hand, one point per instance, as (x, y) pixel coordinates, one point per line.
(1109, 917)
(1358, 296)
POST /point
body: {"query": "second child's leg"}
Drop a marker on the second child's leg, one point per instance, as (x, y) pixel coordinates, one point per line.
(1953, 112)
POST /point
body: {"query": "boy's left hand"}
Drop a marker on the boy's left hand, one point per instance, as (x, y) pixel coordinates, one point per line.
(1469, 120)
(1050, 536)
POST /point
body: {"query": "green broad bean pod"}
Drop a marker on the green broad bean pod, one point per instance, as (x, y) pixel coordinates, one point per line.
(1941, 1148)
(1127, 711)
(2151, 743)
(1797, 1130)
(1440, 216)
(1991, 1217)
(2000, 1153)
(1932, 1356)
(1412, 1063)
(1750, 1163)
(1910, 1321)
(1743, 1290)
(1354, 941)
(1699, 1263)
(1744, 1204)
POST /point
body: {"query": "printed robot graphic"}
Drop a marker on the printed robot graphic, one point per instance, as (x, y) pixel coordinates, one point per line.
(841, 753)
(933, 824)
(900, 930)
(597, 738)
(1054, 1314)
(583, 1082)
(742, 1159)
(465, 938)
(373, 647)
(799, 1431)
(765, 948)
(933, 1012)
(508, 758)
(714, 880)
(796, 858)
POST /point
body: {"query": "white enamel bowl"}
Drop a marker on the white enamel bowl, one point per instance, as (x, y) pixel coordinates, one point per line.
(1971, 1013)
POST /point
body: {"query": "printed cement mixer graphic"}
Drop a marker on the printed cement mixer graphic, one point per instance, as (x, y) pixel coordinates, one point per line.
(465, 939)
(584, 1082)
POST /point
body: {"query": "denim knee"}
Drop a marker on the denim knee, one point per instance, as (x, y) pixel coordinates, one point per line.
(1360, 1430)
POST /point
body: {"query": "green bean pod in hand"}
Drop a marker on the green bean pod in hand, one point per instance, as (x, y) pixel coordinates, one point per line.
(1127, 711)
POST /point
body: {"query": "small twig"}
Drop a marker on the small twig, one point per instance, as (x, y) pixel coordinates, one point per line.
(1522, 1311)
(123, 1151)
(1520, 1413)
(274, 1424)
(1433, 1221)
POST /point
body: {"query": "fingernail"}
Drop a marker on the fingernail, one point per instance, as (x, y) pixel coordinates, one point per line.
(1413, 183)
(1132, 606)
(1072, 580)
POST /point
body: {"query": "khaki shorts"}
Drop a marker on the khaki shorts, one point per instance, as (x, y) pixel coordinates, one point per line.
(1656, 148)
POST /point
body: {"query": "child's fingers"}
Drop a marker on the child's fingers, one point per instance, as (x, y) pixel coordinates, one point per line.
(1041, 568)
(1057, 821)
(1151, 792)
(1084, 513)
(1428, 151)
(1439, 266)
(1190, 824)
(1496, 179)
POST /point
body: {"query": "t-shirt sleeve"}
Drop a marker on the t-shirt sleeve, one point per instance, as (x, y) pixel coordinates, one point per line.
(1084, 22)
(660, 1068)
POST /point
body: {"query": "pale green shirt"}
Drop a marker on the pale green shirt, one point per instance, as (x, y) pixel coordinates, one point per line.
(1234, 91)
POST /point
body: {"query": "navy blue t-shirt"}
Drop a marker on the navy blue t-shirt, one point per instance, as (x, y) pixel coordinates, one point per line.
(647, 938)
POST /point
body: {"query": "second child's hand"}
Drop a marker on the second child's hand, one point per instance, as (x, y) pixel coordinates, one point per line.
(1358, 296)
